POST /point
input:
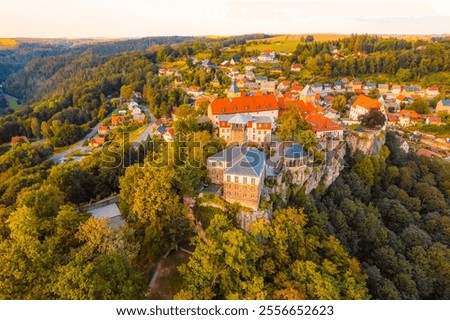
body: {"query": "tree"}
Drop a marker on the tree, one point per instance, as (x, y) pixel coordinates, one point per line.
(149, 198)
(373, 118)
(293, 127)
(420, 106)
(339, 103)
(75, 182)
(126, 92)
(35, 127)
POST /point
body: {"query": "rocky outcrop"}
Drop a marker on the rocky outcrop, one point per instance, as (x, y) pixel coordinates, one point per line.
(368, 142)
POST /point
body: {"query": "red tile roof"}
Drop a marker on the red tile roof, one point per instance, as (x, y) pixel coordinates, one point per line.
(366, 103)
(321, 123)
(19, 139)
(433, 88)
(410, 113)
(194, 88)
(401, 97)
(103, 128)
(425, 153)
(244, 104)
(117, 119)
(171, 131)
(391, 117)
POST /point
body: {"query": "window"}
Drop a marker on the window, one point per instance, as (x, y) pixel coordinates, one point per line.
(253, 180)
(236, 179)
(228, 130)
(229, 178)
(244, 196)
(259, 132)
(228, 193)
(252, 196)
(244, 187)
(236, 194)
(245, 179)
(236, 186)
(213, 163)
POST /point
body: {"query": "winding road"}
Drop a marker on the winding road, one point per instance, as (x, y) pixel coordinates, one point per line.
(59, 157)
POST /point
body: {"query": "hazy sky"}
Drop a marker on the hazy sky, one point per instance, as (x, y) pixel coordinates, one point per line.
(139, 18)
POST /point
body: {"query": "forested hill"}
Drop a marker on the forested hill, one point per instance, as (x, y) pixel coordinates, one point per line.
(35, 60)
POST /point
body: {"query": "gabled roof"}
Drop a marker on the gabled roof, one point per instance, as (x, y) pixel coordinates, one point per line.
(240, 119)
(321, 123)
(244, 104)
(366, 103)
(295, 151)
(410, 113)
(425, 153)
(232, 154)
(307, 91)
(252, 164)
(446, 103)
(161, 129)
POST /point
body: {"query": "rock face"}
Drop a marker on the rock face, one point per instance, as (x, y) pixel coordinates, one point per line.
(368, 142)
(310, 177)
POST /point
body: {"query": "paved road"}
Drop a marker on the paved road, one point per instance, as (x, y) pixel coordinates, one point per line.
(58, 157)
(144, 135)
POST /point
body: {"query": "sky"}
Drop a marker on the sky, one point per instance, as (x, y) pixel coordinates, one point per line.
(140, 18)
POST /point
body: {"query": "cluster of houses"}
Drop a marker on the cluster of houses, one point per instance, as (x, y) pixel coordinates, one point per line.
(161, 128)
(243, 120)
(131, 112)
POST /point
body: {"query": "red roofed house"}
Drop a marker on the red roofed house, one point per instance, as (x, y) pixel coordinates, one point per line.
(408, 117)
(117, 120)
(400, 99)
(324, 127)
(363, 105)
(296, 67)
(96, 141)
(169, 135)
(432, 120)
(425, 153)
(432, 91)
(392, 119)
(103, 130)
(258, 105)
(194, 91)
(16, 139)
(356, 85)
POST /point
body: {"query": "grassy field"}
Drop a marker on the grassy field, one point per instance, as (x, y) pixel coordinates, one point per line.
(118, 136)
(12, 103)
(288, 43)
(8, 42)
(178, 65)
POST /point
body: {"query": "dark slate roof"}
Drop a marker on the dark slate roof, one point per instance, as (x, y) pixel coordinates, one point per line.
(161, 129)
(252, 164)
(295, 151)
(229, 154)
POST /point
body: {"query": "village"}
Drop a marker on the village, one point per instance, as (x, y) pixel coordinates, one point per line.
(247, 117)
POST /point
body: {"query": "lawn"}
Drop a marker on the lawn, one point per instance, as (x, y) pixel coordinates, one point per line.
(178, 65)
(12, 103)
(133, 135)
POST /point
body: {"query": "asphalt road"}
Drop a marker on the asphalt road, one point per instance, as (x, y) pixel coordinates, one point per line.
(58, 157)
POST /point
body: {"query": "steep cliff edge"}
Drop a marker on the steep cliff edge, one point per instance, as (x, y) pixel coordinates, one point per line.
(368, 142)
